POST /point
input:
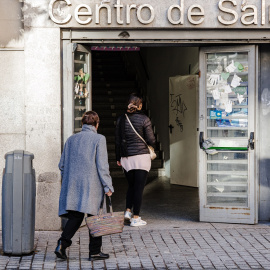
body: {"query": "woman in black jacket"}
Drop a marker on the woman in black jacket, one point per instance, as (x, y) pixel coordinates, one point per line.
(133, 155)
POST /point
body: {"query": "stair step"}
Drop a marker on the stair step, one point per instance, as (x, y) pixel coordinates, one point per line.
(107, 61)
(115, 84)
(98, 98)
(112, 91)
(106, 130)
(112, 83)
(110, 139)
(110, 105)
(106, 55)
(108, 113)
(111, 70)
(105, 78)
(108, 122)
(116, 75)
(109, 65)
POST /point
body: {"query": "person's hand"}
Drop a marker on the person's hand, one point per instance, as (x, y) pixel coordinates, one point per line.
(119, 163)
(109, 193)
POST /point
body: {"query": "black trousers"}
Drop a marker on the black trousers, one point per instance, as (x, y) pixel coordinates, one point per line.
(136, 182)
(73, 224)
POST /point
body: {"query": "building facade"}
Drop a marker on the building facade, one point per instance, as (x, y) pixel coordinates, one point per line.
(221, 46)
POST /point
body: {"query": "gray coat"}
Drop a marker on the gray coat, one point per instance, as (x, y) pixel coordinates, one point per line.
(85, 172)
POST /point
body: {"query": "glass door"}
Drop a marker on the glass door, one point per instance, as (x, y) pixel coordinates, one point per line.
(77, 85)
(82, 85)
(227, 125)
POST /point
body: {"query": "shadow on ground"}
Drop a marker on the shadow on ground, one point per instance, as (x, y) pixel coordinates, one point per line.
(163, 203)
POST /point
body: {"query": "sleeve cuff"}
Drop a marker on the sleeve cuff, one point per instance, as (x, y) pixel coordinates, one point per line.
(107, 189)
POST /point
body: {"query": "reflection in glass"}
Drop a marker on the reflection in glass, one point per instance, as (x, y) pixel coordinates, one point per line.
(227, 120)
(81, 91)
(227, 179)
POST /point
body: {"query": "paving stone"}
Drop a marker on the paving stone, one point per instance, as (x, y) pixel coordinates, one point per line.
(234, 248)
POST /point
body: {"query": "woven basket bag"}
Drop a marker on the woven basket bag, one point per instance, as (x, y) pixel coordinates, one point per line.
(106, 224)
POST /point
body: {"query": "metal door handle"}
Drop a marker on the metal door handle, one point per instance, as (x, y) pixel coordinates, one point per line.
(251, 141)
(201, 139)
(171, 127)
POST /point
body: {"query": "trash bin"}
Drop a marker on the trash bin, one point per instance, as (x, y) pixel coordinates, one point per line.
(18, 203)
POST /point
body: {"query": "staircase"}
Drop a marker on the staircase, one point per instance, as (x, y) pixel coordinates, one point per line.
(112, 83)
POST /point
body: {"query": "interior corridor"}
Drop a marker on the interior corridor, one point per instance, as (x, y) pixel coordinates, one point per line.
(163, 204)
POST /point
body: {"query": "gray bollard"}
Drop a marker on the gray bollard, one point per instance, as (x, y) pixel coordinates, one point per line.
(18, 203)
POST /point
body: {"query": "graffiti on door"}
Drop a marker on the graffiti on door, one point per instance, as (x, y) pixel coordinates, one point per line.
(179, 107)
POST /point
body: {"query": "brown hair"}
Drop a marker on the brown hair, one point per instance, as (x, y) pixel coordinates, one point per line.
(134, 101)
(90, 118)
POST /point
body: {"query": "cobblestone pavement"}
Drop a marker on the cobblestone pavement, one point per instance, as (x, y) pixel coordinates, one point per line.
(136, 248)
(173, 239)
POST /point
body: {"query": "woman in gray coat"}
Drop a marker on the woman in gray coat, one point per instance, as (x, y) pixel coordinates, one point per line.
(85, 178)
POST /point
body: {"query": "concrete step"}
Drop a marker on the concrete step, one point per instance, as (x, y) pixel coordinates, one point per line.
(108, 113)
(99, 98)
(109, 106)
(107, 61)
(112, 91)
(109, 66)
(105, 78)
(111, 122)
(116, 71)
(106, 55)
(110, 138)
(115, 84)
(106, 130)
(112, 84)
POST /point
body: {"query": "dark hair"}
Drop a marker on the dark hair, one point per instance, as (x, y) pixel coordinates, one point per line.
(90, 118)
(134, 101)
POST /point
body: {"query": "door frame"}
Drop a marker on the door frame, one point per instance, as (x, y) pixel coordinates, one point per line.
(162, 38)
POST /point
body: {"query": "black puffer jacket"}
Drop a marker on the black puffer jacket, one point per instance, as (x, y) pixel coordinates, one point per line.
(127, 142)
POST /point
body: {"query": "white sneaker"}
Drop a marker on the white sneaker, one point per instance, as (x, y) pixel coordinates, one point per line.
(137, 222)
(128, 216)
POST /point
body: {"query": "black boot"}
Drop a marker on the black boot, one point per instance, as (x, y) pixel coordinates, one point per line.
(99, 256)
(60, 251)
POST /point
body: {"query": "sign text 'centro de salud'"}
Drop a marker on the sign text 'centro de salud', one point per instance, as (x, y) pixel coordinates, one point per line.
(182, 13)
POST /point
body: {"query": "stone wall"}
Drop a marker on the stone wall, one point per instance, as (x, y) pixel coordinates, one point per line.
(43, 119)
(30, 100)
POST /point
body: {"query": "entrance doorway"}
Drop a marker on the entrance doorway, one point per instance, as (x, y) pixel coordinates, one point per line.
(222, 163)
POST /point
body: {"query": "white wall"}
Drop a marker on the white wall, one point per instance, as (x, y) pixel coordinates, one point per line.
(162, 63)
